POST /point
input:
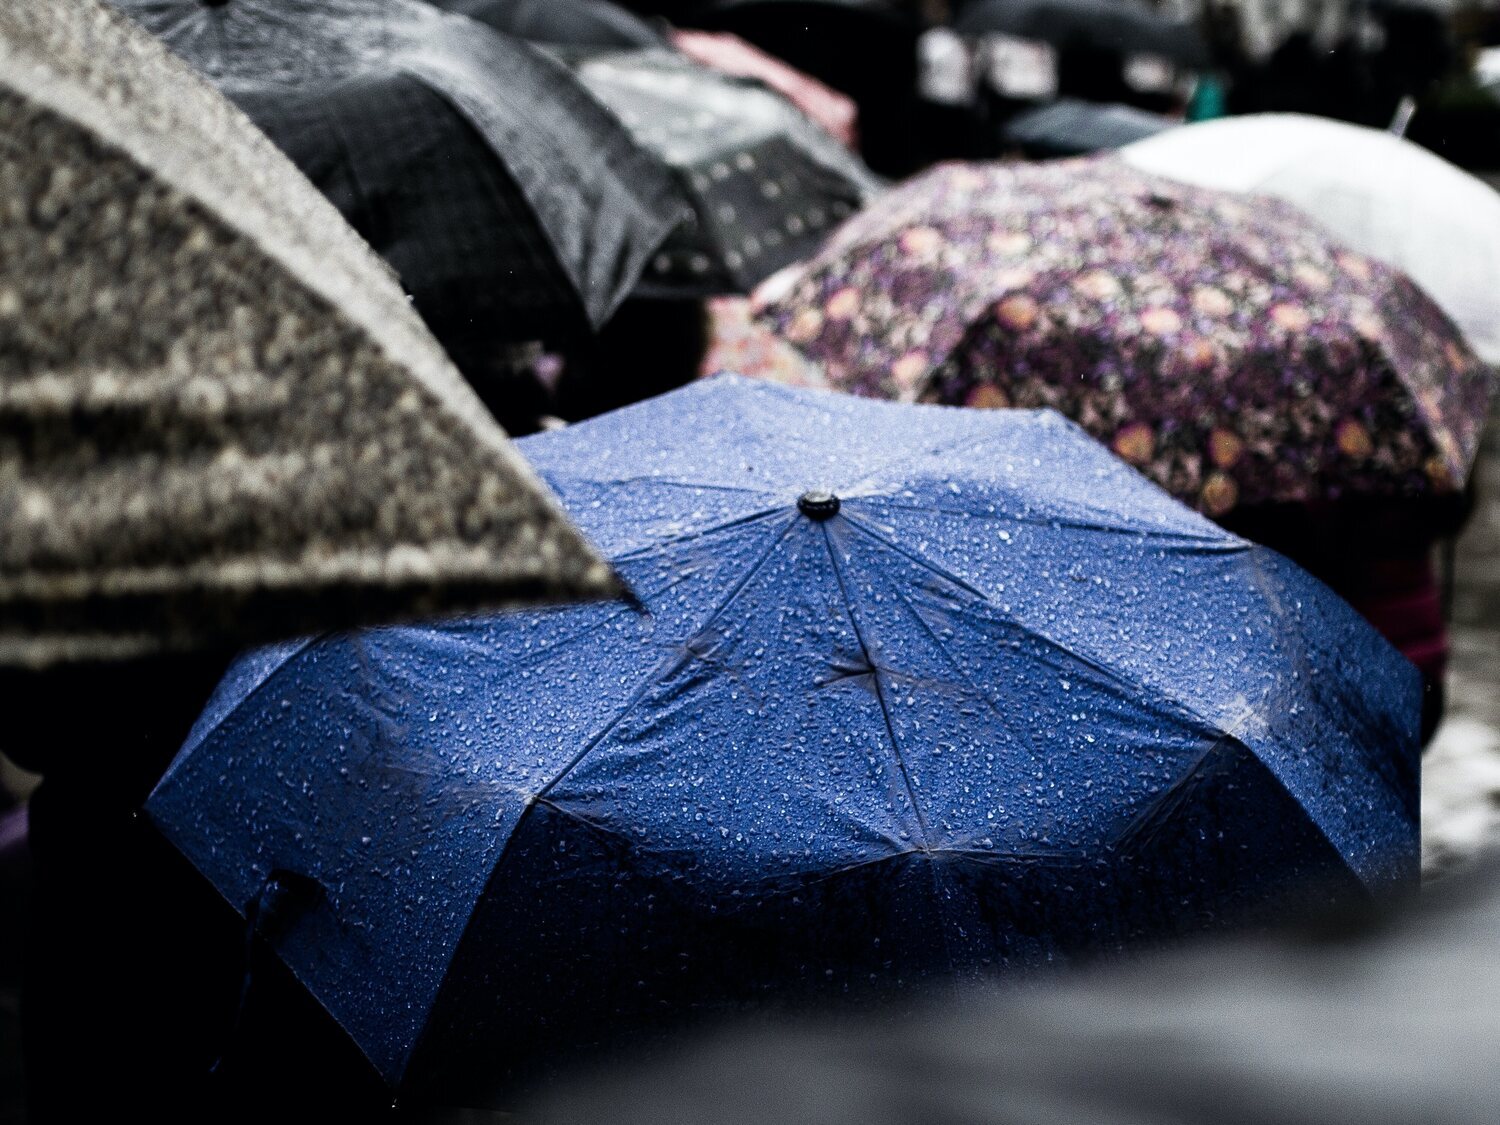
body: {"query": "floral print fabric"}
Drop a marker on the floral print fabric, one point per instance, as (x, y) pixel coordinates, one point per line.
(1221, 343)
(740, 344)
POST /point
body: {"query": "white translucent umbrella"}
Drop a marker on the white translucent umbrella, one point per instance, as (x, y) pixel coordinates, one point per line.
(1375, 192)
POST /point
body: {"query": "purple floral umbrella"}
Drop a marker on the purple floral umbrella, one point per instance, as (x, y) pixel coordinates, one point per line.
(1222, 343)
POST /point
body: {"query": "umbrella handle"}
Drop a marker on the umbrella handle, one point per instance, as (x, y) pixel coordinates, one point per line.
(283, 897)
(1405, 109)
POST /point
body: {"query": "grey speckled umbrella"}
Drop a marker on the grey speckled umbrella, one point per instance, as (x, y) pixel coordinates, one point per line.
(220, 419)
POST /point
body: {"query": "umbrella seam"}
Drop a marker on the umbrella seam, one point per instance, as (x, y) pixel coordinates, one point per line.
(1267, 590)
(925, 564)
(1120, 681)
(1226, 541)
(637, 553)
(659, 673)
(527, 169)
(807, 878)
(1186, 709)
(672, 482)
(1073, 859)
(1067, 860)
(322, 108)
(879, 689)
(541, 796)
(411, 67)
(541, 655)
(1139, 829)
(978, 439)
(948, 448)
(1375, 764)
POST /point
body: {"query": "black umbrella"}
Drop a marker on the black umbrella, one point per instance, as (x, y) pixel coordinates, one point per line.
(764, 183)
(1106, 25)
(1069, 127)
(508, 201)
(584, 23)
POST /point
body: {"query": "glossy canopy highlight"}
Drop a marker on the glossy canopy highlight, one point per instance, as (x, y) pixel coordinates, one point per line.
(907, 690)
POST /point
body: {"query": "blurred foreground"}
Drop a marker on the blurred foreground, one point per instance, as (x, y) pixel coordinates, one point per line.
(1390, 1020)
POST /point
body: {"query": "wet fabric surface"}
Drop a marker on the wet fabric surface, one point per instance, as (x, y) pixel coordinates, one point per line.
(418, 184)
(1008, 703)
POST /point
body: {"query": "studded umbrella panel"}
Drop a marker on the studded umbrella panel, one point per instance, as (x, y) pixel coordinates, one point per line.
(220, 421)
(906, 692)
(763, 184)
(1225, 344)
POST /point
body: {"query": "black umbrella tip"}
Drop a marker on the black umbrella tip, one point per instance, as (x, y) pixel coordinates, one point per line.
(818, 505)
(630, 598)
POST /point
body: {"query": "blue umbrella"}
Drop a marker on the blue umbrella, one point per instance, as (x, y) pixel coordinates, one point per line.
(905, 690)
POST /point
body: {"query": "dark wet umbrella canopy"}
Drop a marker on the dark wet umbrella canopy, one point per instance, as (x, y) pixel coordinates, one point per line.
(507, 199)
(908, 690)
(219, 419)
(763, 183)
(1069, 127)
(1222, 343)
(584, 23)
(1106, 25)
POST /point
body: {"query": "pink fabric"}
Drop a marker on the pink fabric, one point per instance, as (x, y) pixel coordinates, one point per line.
(741, 345)
(1399, 596)
(729, 54)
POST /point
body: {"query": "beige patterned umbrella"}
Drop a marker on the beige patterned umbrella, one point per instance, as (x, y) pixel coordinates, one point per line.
(220, 421)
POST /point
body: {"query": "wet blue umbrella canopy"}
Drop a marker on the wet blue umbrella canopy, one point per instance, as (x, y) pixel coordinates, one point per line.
(906, 690)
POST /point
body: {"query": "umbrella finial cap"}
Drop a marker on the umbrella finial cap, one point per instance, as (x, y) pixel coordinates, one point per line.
(817, 504)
